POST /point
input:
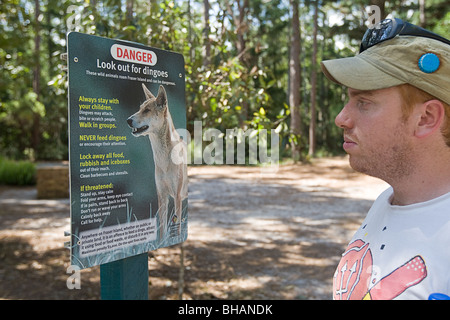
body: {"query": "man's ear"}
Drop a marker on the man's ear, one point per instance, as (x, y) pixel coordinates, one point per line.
(430, 118)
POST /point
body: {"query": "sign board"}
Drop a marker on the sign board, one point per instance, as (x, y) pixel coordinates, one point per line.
(128, 168)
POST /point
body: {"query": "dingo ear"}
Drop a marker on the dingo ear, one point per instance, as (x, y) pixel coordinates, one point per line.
(147, 92)
(161, 99)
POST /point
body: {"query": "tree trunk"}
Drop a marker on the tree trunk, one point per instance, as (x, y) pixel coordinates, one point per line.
(422, 18)
(206, 31)
(381, 4)
(312, 124)
(36, 138)
(129, 12)
(295, 82)
(240, 22)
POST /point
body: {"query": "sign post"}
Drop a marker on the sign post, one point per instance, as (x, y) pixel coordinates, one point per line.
(125, 279)
(128, 160)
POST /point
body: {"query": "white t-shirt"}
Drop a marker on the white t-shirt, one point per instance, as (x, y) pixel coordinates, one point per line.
(399, 252)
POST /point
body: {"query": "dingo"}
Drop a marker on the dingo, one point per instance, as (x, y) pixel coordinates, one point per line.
(154, 120)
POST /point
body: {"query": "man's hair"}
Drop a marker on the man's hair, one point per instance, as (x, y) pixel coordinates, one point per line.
(412, 96)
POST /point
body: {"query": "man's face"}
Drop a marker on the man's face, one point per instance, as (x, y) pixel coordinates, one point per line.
(376, 136)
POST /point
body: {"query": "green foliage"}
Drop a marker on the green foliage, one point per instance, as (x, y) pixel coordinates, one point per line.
(18, 173)
(242, 84)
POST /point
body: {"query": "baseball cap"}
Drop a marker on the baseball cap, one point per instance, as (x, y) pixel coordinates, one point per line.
(388, 59)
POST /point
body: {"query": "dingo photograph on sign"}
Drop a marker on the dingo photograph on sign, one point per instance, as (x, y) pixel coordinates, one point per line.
(155, 121)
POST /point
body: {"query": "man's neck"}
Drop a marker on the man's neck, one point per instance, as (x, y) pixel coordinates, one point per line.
(430, 179)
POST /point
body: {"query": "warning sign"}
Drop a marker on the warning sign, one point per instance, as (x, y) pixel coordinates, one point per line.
(128, 161)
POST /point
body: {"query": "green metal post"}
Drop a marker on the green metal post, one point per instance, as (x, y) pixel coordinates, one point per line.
(125, 279)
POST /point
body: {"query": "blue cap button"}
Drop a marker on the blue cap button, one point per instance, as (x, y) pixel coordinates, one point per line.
(429, 62)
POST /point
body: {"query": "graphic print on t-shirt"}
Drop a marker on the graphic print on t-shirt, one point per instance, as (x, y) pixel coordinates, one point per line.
(356, 277)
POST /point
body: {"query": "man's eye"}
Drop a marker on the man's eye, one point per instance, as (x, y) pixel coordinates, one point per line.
(362, 104)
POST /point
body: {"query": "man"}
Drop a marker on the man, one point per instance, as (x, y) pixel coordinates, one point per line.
(396, 127)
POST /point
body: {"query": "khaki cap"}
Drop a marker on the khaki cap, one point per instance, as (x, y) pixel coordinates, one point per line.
(392, 63)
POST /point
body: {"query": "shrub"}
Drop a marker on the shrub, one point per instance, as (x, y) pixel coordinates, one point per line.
(19, 173)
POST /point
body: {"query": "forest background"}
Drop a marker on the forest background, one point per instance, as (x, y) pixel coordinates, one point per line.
(249, 63)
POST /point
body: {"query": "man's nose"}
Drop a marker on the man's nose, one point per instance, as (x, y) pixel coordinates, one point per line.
(343, 119)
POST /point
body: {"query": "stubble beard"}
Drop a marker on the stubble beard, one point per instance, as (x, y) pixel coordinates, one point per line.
(391, 164)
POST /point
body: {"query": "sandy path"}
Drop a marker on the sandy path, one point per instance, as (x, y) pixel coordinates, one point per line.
(253, 233)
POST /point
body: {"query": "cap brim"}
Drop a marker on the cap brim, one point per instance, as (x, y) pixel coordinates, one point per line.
(356, 73)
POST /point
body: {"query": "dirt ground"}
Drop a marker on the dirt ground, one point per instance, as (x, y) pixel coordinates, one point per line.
(254, 233)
